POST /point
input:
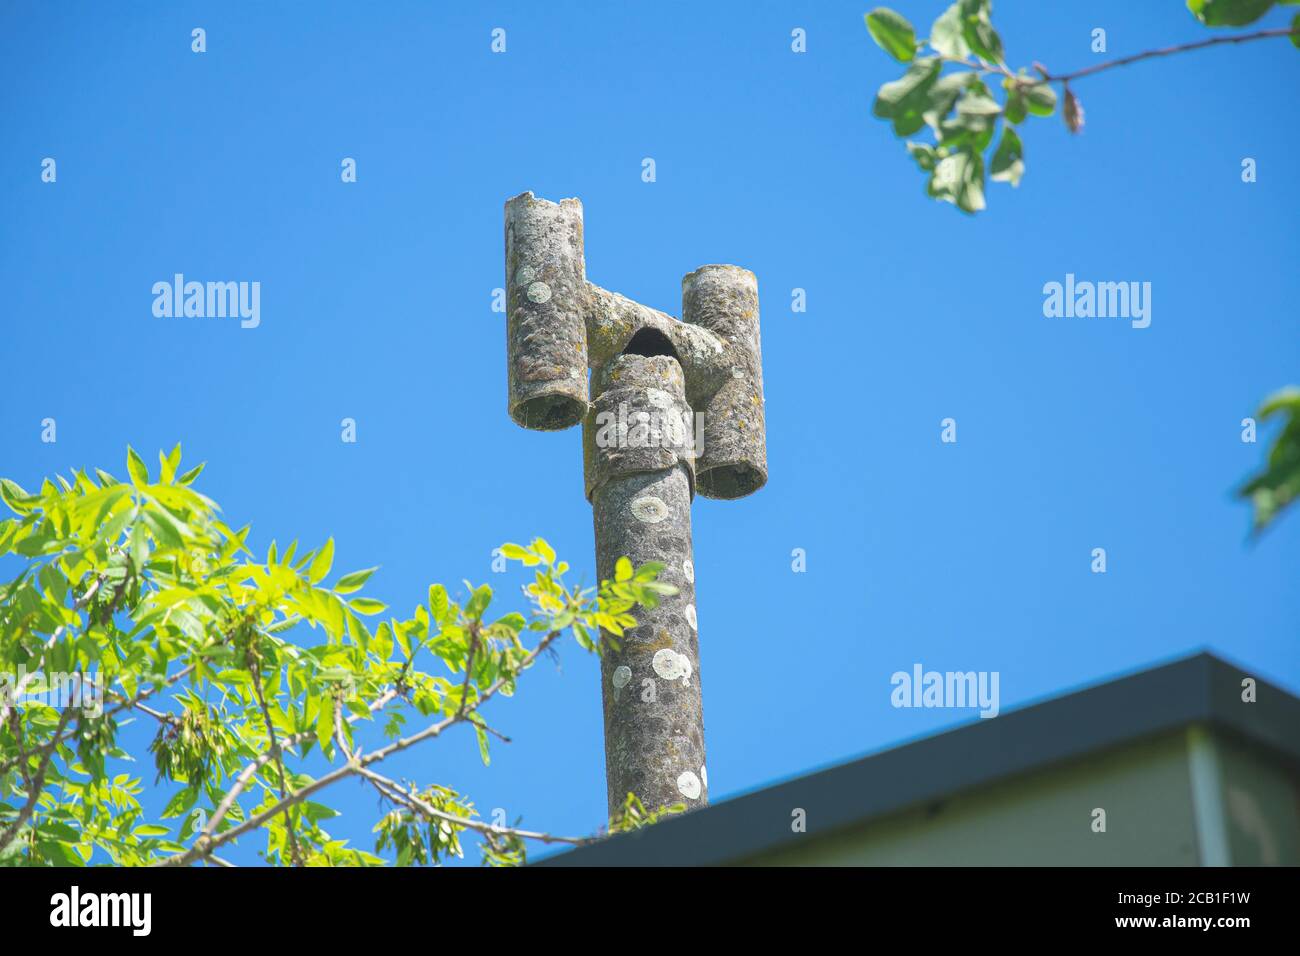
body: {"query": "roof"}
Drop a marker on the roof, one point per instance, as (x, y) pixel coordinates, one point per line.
(1201, 689)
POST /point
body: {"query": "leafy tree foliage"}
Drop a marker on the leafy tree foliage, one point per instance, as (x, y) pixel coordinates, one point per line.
(1278, 485)
(962, 112)
(246, 667)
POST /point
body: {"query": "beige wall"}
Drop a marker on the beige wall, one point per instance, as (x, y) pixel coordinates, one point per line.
(1041, 818)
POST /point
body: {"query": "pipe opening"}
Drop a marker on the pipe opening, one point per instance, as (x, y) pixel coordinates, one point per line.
(650, 341)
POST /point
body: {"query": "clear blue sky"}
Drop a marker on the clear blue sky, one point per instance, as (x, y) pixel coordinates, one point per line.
(376, 305)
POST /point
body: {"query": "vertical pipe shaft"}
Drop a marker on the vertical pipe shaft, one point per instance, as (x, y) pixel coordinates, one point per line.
(654, 713)
(640, 480)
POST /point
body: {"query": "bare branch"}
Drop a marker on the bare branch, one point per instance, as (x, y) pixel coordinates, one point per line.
(1047, 77)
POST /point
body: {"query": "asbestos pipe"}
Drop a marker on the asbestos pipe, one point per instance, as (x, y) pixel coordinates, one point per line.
(638, 444)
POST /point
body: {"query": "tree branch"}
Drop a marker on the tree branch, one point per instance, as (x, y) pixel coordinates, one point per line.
(205, 843)
(34, 787)
(1169, 51)
(391, 790)
(246, 776)
(125, 704)
(294, 849)
(30, 676)
(1064, 78)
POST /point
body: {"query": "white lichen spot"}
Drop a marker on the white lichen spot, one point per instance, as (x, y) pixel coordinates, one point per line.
(622, 675)
(525, 275)
(735, 372)
(539, 292)
(704, 775)
(668, 663)
(689, 785)
(649, 509)
(690, 617)
(659, 398)
(688, 569)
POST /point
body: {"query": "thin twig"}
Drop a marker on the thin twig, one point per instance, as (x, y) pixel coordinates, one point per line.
(394, 792)
(246, 776)
(1170, 50)
(469, 667)
(985, 67)
(294, 850)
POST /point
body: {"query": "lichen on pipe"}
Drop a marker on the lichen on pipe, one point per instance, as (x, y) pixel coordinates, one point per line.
(639, 463)
(724, 300)
(546, 306)
(645, 454)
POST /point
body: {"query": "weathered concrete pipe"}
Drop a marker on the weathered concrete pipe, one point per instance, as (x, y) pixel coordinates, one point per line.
(673, 407)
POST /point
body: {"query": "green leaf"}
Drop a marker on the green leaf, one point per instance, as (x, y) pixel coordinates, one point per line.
(893, 33)
(479, 601)
(543, 549)
(180, 802)
(438, 602)
(325, 722)
(367, 606)
(905, 100)
(978, 32)
(136, 466)
(354, 581)
(1008, 162)
(1295, 30)
(924, 154)
(189, 476)
(975, 103)
(15, 497)
(321, 564)
(942, 96)
(967, 131)
(946, 33)
(164, 527)
(167, 465)
(1040, 98)
(1228, 13)
(959, 179)
(1278, 486)
(1016, 110)
(623, 570)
